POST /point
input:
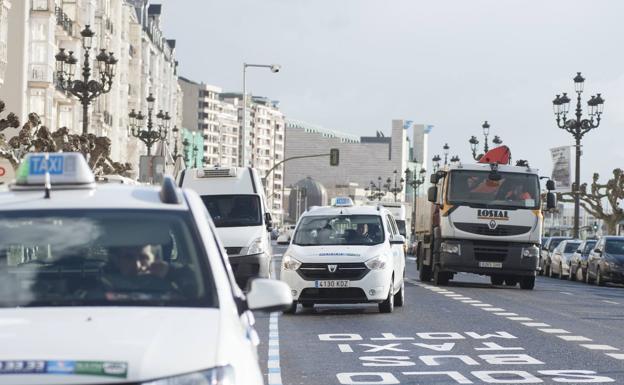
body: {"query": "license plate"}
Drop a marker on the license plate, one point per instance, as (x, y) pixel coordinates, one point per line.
(331, 284)
(496, 265)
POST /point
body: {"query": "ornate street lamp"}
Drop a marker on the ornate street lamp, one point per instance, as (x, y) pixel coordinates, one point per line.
(578, 127)
(436, 162)
(398, 185)
(149, 136)
(85, 89)
(474, 142)
(454, 159)
(416, 183)
(176, 136)
(190, 153)
(446, 152)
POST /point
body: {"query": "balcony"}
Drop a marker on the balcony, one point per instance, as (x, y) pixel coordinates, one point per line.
(40, 73)
(40, 5)
(63, 21)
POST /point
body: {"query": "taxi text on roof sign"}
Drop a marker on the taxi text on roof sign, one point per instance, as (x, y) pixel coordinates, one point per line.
(68, 168)
(342, 202)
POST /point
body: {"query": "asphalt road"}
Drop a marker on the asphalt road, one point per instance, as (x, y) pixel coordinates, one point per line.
(468, 332)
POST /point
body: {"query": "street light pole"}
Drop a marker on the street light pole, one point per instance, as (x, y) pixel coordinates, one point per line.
(578, 127)
(149, 136)
(275, 68)
(474, 142)
(86, 90)
(446, 152)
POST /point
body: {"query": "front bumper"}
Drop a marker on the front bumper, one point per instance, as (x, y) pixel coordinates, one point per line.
(246, 267)
(475, 256)
(373, 287)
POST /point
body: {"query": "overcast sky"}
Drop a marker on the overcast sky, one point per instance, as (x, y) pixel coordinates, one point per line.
(354, 65)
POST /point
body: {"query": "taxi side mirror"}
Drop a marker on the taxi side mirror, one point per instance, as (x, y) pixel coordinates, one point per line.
(269, 295)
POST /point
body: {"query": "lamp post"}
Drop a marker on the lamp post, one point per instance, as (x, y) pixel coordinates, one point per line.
(398, 185)
(176, 137)
(149, 136)
(454, 159)
(436, 162)
(578, 127)
(416, 183)
(446, 152)
(474, 142)
(85, 89)
(375, 189)
(275, 68)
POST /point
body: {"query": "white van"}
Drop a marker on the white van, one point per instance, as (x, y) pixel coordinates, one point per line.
(235, 199)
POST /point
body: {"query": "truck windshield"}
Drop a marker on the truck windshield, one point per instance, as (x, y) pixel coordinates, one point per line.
(233, 210)
(339, 230)
(514, 190)
(102, 258)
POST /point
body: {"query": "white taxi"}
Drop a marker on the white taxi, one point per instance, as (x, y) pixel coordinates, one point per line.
(346, 254)
(119, 284)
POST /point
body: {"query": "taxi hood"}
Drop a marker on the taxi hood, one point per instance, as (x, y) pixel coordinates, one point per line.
(119, 344)
(341, 253)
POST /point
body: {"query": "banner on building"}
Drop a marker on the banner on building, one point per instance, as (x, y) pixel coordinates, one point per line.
(562, 167)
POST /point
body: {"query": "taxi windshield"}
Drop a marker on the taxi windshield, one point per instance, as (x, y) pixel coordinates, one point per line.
(102, 258)
(339, 230)
(475, 188)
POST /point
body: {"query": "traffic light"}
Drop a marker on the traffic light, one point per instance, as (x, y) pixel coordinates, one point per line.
(595, 227)
(334, 157)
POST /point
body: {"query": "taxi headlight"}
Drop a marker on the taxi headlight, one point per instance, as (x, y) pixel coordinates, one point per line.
(450, 248)
(290, 263)
(376, 263)
(532, 251)
(222, 375)
(255, 247)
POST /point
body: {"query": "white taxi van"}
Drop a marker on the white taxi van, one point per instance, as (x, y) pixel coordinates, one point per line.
(119, 284)
(346, 254)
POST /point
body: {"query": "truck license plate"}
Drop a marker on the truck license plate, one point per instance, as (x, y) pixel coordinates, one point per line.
(332, 284)
(496, 265)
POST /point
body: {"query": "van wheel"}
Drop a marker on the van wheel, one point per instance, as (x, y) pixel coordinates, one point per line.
(399, 297)
(527, 283)
(387, 306)
(424, 272)
(292, 309)
(496, 280)
(440, 278)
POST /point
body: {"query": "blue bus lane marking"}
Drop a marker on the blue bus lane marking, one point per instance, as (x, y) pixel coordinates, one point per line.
(389, 359)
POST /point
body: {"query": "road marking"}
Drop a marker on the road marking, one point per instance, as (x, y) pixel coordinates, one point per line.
(507, 314)
(481, 305)
(536, 324)
(453, 295)
(554, 331)
(575, 338)
(413, 259)
(566, 292)
(610, 302)
(345, 348)
(273, 364)
(470, 301)
(520, 318)
(598, 347)
(460, 298)
(617, 356)
(493, 309)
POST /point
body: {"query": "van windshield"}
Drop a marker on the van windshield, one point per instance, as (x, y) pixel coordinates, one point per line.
(233, 210)
(339, 230)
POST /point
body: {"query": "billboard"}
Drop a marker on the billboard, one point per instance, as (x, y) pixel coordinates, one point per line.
(562, 167)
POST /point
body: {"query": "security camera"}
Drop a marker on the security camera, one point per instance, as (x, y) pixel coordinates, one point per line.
(275, 68)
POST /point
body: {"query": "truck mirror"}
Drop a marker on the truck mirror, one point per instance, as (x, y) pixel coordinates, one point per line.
(269, 221)
(433, 179)
(432, 194)
(550, 185)
(551, 200)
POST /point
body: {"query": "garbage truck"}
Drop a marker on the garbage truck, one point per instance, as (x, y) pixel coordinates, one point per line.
(485, 218)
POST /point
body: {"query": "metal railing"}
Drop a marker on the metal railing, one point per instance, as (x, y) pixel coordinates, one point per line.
(63, 20)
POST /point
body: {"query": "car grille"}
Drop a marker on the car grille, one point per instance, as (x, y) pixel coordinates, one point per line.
(350, 271)
(491, 251)
(233, 250)
(351, 294)
(499, 231)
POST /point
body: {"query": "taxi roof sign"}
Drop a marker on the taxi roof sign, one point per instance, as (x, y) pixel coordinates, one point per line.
(342, 202)
(63, 169)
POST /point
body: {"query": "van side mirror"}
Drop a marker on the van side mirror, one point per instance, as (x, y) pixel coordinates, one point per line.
(269, 221)
(432, 194)
(397, 240)
(551, 200)
(550, 185)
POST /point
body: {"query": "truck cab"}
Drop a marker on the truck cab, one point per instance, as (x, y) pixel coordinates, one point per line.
(485, 219)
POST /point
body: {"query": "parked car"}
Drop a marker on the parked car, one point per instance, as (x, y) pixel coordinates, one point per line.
(561, 256)
(578, 262)
(547, 248)
(606, 261)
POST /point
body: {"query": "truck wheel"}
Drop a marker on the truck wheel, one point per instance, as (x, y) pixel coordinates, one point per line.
(424, 272)
(497, 280)
(527, 283)
(292, 309)
(440, 278)
(387, 306)
(511, 281)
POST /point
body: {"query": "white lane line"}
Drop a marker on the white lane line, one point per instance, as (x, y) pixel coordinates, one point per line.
(536, 324)
(507, 314)
(554, 331)
(345, 348)
(470, 301)
(493, 309)
(461, 298)
(610, 302)
(598, 347)
(575, 338)
(566, 292)
(452, 295)
(273, 363)
(481, 305)
(617, 356)
(520, 318)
